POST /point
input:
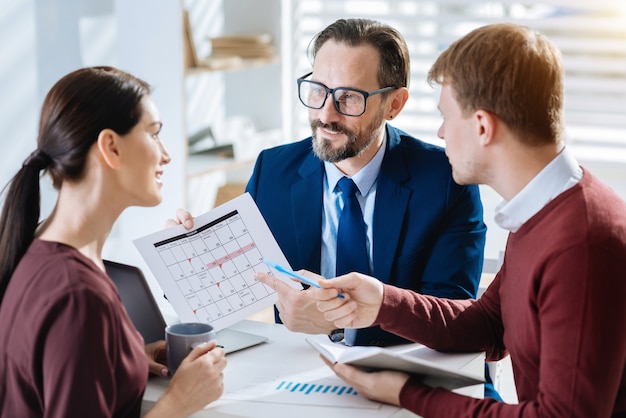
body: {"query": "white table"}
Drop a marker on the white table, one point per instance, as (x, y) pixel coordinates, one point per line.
(256, 378)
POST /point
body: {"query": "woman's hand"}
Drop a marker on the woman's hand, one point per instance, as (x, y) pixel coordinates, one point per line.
(198, 381)
(157, 357)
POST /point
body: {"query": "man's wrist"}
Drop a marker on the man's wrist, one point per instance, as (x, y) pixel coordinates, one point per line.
(336, 335)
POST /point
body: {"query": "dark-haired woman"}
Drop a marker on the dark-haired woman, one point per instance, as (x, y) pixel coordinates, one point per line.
(68, 347)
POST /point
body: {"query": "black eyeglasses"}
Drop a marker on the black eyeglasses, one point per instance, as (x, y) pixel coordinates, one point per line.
(347, 101)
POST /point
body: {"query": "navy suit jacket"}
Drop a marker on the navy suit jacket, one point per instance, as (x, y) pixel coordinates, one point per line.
(428, 232)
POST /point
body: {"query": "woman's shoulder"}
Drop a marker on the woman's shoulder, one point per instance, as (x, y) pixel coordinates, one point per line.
(61, 269)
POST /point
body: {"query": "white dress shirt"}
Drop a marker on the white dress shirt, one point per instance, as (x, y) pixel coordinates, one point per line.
(562, 173)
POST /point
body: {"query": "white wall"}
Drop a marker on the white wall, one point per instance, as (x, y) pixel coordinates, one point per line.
(39, 44)
(42, 40)
(18, 85)
(149, 45)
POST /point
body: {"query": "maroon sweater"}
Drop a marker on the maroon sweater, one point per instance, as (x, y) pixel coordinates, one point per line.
(68, 347)
(558, 305)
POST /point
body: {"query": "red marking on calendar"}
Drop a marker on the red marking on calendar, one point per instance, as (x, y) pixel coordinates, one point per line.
(220, 261)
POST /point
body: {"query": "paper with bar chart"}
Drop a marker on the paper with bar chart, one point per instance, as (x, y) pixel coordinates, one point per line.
(207, 273)
(313, 387)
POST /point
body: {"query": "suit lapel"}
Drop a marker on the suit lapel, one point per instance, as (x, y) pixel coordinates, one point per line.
(306, 205)
(392, 200)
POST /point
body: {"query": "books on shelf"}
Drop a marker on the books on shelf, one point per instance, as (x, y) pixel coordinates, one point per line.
(241, 40)
(437, 369)
(228, 52)
(245, 46)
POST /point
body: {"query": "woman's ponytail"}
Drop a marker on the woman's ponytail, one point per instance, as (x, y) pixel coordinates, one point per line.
(20, 215)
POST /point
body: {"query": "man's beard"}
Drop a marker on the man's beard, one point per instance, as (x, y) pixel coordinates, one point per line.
(356, 144)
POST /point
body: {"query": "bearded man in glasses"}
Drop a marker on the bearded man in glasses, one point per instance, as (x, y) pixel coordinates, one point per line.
(423, 231)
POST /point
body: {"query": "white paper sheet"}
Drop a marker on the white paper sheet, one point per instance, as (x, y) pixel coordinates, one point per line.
(207, 273)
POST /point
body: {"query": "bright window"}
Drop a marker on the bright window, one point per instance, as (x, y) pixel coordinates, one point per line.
(590, 34)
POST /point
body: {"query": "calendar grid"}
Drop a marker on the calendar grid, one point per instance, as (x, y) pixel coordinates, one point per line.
(213, 267)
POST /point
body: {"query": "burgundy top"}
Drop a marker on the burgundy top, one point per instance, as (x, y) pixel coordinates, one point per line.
(558, 305)
(68, 347)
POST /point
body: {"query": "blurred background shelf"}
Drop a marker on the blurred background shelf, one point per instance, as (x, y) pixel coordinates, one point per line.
(232, 88)
(229, 64)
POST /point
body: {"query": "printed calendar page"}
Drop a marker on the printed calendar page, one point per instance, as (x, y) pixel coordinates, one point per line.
(207, 273)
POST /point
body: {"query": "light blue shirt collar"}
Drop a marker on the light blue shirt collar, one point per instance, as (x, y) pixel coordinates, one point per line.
(562, 173)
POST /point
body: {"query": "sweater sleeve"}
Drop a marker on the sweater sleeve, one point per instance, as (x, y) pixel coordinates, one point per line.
(441, 324)
(445, 324)
(581, 340)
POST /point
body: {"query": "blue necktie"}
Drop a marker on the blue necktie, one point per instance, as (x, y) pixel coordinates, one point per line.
(351, 245)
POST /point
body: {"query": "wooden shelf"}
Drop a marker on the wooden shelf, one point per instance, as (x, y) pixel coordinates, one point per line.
(230, 64)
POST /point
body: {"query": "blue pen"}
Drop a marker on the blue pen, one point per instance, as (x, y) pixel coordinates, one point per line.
(295, 275)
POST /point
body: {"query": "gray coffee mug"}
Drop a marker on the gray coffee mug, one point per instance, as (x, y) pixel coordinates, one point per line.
(181, 338)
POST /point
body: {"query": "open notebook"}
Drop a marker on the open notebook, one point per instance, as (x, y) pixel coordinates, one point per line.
(146, 315)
